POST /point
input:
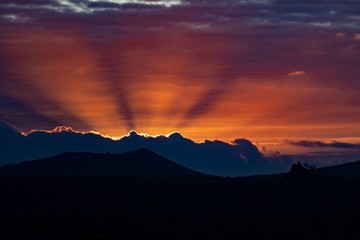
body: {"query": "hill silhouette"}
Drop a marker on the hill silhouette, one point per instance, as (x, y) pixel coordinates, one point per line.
(346, 170)
(138, 163)
(238, 158)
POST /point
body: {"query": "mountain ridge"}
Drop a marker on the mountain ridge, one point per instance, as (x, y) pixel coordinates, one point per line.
(138, 163)
(345, 170)
(238, 158)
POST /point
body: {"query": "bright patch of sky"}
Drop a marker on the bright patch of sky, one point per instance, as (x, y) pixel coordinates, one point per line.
(83, 6)
(166, 3)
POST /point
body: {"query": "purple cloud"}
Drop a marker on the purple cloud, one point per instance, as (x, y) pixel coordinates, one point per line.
(333, 144)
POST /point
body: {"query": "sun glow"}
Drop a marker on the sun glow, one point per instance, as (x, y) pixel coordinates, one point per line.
(163, 78)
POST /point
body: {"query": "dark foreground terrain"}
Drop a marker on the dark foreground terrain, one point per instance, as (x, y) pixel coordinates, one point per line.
(178, 208)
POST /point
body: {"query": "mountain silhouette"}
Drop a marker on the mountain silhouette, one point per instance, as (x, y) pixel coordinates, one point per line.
(238, 158)
(138, 163)
(346, 170)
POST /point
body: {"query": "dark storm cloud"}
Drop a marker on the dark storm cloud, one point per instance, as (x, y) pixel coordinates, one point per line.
(319, 144)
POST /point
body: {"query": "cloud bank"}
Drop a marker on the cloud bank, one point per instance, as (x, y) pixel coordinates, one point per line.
(240, 158)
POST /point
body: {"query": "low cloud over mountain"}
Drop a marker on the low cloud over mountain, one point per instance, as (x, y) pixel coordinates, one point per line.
(239, 158)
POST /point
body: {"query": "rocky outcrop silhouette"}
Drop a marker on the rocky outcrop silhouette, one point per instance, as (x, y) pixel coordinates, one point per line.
(298, 171)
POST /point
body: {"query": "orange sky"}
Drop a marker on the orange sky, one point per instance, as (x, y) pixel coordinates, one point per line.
(202, 77)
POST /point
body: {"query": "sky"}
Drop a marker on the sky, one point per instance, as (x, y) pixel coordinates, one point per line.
(282, 74)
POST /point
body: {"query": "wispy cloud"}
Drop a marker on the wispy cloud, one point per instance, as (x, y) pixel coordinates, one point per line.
(320, 144)
(297, 73)
(88, 6)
